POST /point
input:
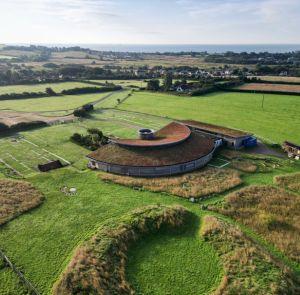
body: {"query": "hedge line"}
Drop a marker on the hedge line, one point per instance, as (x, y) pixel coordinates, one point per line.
(262, 91)
(22, 126)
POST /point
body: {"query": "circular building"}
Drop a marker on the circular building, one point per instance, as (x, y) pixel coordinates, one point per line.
(174, 149)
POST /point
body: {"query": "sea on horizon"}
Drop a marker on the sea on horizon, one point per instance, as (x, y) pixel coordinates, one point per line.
(161, 48)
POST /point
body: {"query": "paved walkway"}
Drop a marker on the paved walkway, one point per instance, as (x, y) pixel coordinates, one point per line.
(263, 149)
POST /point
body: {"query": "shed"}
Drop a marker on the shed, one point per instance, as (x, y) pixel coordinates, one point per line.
(50, 166)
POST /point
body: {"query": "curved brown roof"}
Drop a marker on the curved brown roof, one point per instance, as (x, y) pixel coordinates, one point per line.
(171, 134)
(195, 147)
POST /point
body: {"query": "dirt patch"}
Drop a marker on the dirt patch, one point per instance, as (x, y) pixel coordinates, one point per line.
(272, 212)
(270, 87)
(98, 266)
(196, 184)
(12, 118)
(17, 197)
(248, 268)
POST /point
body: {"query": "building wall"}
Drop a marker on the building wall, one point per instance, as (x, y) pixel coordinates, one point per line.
(151, 171)
(234, 143)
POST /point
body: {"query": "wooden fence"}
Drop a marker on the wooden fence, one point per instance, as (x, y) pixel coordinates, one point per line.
(21, 277)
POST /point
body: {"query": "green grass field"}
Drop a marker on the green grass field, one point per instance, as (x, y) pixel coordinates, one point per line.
(57, 87)
(55, 105)
(180, 253)
(50, 233)
(41, 242)
(124, 83)
(25, 150)
(279, 120)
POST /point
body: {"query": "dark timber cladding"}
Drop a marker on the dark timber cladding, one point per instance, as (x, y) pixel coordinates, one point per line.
(177, 153)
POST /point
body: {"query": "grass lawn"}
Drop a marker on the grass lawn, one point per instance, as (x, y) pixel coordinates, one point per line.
(278, 121)
(54, 105)
(57, 87)
(50, 233)
(181, 272)
(41, 242)
(25, 150)
(124, 83)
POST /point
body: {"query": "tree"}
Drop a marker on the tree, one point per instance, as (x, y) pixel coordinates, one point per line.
(168, 81)
(50, 91)
(153, 85)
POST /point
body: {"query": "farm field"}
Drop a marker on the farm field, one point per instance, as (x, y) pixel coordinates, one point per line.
(54, 105)
(51, 232)
(270, 87)
(57, 87)
(124, 83)
(277, 78)
(25, 150)
(6, 56)
(278, 121)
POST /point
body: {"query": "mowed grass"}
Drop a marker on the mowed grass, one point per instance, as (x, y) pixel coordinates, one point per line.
(182, 271)
(58, 105)
(50, 233)
(57, 87)
(25, 150)
(279, 120)
(125, 83)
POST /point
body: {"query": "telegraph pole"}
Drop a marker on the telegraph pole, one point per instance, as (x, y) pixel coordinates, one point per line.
(262, 102)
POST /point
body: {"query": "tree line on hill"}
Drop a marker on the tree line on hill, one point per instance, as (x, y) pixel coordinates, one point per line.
(194, 88)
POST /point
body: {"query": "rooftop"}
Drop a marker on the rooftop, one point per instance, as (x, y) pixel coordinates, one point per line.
(171, 134)
(195, 147)
(216, 129)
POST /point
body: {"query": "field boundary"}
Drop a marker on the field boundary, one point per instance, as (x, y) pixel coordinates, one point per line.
(19, 274)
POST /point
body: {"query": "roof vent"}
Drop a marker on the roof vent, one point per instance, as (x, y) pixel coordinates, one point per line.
(146, 134)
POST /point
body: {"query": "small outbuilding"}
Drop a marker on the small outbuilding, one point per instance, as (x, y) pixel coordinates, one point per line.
(231, 138)
(50, 166)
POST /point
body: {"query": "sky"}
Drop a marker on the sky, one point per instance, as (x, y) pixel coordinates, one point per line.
(150, 21)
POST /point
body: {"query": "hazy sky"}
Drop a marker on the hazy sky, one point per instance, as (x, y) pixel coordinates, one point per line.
(150, 21)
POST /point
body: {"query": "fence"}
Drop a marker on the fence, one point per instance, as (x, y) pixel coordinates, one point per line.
(21, 277)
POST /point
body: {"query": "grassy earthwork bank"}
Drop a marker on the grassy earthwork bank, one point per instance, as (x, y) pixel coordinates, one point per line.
(52, 231)
(277, 121)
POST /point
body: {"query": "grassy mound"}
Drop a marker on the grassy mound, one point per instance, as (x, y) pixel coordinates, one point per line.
(270, 211)
(248, 268)
(196, 184)
(98, 266)
(17, 197)
(290, 181)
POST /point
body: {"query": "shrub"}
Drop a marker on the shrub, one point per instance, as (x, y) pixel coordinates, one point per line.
(17, 197)
(270, 211)
(196, 184)
(248, 268)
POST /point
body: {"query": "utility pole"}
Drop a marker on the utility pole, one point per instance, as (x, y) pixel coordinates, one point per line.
(262, 102)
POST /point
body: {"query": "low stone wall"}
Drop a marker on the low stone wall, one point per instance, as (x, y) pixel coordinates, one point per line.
(151, 171)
